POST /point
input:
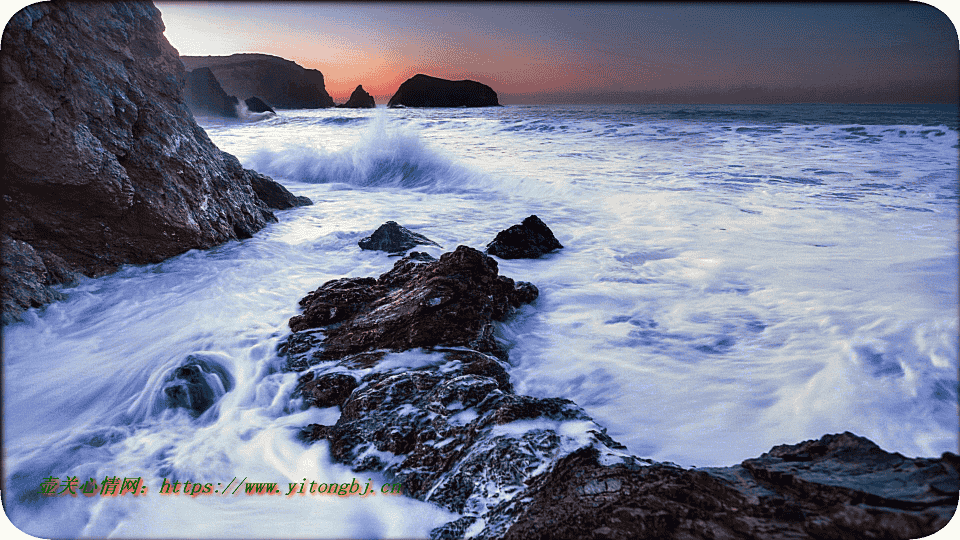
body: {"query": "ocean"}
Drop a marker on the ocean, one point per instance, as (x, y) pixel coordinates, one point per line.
(733, 277)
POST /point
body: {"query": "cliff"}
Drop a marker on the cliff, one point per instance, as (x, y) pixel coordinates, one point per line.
(426, 91)
(281, 83)
(103, 163)
(205, 96)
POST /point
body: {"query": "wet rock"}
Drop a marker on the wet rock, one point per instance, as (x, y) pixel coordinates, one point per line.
(450, 302)
(280, 82)
(393, 238)
(103, 163)
(359, 99)
(530, 239)
(330, 390)
(206, 97)
(196, 385)
(275, 195)
(454, 433)
(257, 105)
(425, 91)
(841, 486)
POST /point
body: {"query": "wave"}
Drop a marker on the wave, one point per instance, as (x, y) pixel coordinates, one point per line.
(382, 158)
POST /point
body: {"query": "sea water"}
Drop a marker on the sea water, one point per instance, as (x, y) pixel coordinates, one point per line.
(732, 278)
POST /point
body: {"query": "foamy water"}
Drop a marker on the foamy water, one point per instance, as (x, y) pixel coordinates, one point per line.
(732, 279)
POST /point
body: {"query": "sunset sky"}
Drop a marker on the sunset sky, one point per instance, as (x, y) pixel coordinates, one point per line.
(595, 52)
(541, 52)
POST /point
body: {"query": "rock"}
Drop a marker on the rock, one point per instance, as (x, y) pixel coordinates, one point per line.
(841, 486)
(530, 239)
(103, 163)
(206, 97)
(393, 238)
(425, 91)
(359, 99)
(257, 105)
(330, 390)
(280, 82)
(275, 195)
(197, 385)
(450, 302)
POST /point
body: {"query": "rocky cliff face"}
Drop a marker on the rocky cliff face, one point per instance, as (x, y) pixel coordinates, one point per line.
(426, 91)
(103, 163)
(205, 96)
(281, 83)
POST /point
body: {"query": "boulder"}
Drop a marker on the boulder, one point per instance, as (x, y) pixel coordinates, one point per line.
(103, 162)
(257, 105)
(393, 238)
(206, 97)
(530, 239)
(425, 91)
(280, 82)
(196, 385)
(276, 196)
(359, 99)
(453, 301)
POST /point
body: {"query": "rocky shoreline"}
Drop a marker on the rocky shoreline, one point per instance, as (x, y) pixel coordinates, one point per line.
(413, 361)
(104, 166)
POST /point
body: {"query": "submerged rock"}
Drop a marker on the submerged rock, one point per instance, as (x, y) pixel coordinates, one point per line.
(393, 238)
(103, 164)
(278, 81)
(197, 385)
(530, 239)
(206, 97)
(359, 99)
(257, 105)
(425, 91)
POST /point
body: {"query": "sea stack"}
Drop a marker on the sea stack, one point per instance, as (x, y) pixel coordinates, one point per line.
(281, 83)
(103, 163)
(425, 91)
(359, 99)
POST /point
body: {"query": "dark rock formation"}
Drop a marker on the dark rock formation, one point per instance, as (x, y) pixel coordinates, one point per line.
(446, 424)
(450, 302)
(426, 91)
(206, 97)
(330, 390)
(280, 82)
(359, 99)
(102, 161)
(257, 105)
(841, 486)
(393, 238)
(529, 240)
(274, 195)
(197, 385)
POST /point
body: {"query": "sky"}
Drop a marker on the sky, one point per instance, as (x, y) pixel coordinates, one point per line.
(622, 52)
(569, 52)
